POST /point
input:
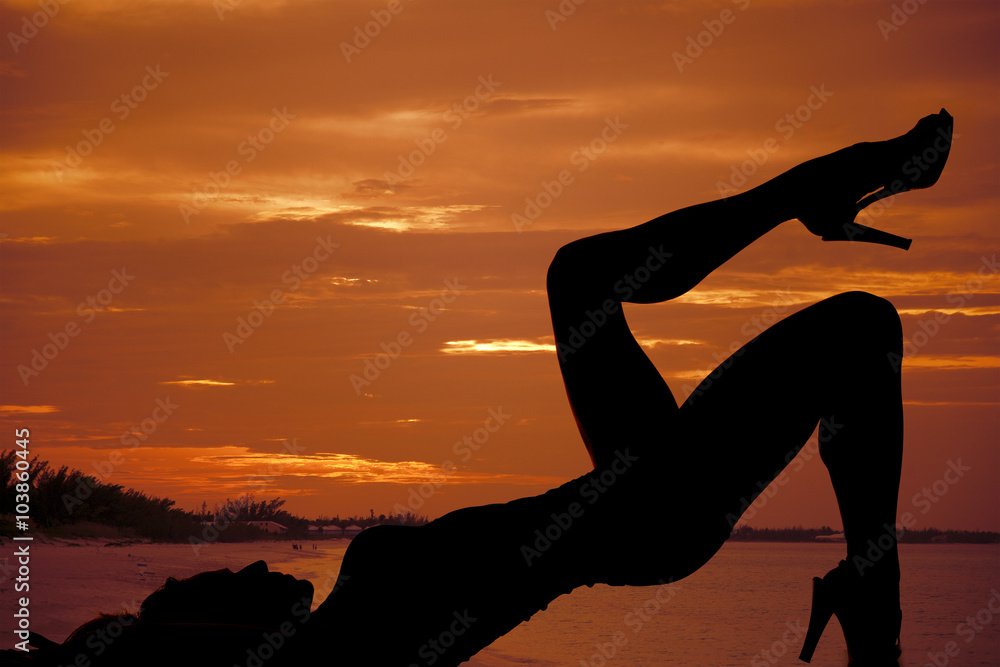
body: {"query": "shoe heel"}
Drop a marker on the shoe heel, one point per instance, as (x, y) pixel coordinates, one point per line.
(852, 231)
(822, 610)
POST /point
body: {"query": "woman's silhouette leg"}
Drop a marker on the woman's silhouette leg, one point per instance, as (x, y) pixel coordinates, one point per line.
(615, 392)
(837, 361)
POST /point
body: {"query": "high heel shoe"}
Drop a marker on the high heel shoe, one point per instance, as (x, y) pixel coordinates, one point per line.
(869, 615)
(925, 147)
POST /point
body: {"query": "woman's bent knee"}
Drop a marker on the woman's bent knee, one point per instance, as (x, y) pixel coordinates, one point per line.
(571, 268)
(862, 319)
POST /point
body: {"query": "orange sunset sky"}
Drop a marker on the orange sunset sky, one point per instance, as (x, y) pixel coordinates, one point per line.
(170, 167)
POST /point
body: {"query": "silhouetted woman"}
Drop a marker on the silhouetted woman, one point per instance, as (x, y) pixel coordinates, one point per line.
(445, 590)
(437, 594)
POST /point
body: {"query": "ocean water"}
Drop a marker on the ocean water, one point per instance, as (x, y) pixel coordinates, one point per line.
(749, 607)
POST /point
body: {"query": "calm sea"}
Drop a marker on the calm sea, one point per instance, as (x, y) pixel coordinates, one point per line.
(749, 608)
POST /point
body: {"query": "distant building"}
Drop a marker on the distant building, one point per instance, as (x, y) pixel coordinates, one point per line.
(835, 537)
(353, 529)
(314, 530)
(268, 526)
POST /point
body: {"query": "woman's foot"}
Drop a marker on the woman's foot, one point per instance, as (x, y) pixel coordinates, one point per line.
(866, 604)
(833, 187)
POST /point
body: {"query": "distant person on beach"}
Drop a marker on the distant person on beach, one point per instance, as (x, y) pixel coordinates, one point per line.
(669, 481)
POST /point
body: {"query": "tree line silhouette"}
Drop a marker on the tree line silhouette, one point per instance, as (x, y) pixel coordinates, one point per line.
(64, 497)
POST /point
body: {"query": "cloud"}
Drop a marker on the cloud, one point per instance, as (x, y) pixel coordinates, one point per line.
(28, 409)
